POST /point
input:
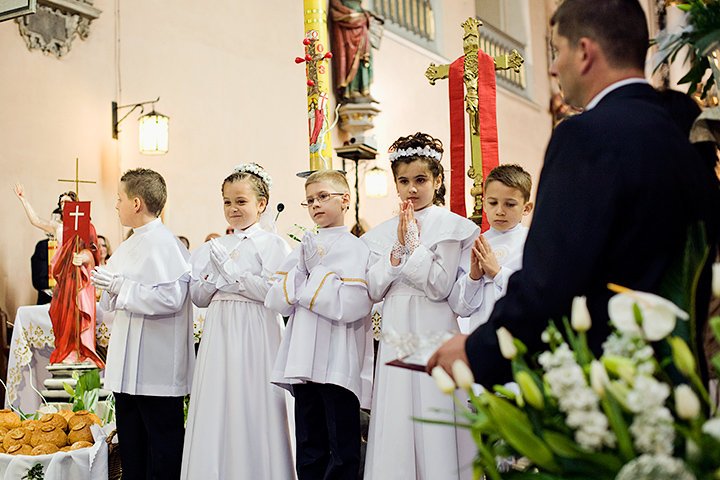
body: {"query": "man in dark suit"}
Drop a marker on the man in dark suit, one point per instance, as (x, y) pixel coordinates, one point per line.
(40, 269)
(619, 187)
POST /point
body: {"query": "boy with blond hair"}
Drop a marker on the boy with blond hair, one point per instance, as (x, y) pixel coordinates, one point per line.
(151, 355)
(497, 253)
(326, 355)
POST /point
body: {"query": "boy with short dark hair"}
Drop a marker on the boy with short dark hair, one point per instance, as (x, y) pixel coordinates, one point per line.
(326, 355)
(151, 354)
(497, 253)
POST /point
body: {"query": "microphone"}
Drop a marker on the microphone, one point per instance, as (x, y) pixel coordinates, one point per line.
(280, 208)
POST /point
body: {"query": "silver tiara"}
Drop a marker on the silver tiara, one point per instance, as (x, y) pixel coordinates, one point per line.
(255, 169)
(415, 152)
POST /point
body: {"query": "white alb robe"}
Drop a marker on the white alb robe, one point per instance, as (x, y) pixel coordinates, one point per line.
(474, 299)
(415, 300)
(237, 425)
(329, 335)
(151, 349)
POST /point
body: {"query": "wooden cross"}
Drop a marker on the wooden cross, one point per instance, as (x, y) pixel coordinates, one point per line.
(471, 46)
(77, 181)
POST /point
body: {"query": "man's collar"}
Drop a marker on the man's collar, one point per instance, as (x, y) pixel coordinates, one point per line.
(628, 81)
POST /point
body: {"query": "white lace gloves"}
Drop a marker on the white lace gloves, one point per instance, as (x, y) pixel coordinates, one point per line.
(105, 280)
(223, 266)
(412, 241)
(412, 238)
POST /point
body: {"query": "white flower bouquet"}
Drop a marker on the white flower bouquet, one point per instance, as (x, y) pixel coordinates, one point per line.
(628, 415)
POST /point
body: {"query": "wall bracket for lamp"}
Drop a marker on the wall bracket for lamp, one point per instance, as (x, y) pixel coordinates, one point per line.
(115, 108)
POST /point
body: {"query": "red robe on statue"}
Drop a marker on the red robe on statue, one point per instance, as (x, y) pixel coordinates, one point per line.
(73, 296)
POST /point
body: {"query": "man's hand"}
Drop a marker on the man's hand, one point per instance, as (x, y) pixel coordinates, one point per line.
(445, 356)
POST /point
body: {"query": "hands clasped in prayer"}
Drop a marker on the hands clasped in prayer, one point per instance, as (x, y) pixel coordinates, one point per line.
(483, 260)
(408, 233)
(311, 256)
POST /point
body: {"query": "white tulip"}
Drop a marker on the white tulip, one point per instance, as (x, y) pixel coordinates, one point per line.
(687, 403)
(580, 316)
(598, 378)
(712, 428)
(658, 314)
(716, 279)
(464, 377)
(443, 381)
(507, 345)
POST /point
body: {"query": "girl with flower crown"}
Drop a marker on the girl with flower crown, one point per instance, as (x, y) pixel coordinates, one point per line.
(414, 261)
(237, 423)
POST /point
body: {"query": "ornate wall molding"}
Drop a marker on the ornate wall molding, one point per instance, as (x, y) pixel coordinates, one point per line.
(56, 23)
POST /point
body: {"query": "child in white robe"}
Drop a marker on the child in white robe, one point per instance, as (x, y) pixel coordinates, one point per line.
(325, 359)
(237, 425)
(151, 353)
(497, 253)
(414, 263)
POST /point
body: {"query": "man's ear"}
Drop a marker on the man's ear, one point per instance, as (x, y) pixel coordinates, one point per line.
(587, 51)
(137, 204)
(528, 208)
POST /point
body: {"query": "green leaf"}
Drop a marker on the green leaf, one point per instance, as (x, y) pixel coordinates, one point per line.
(716, 363)
(617, 422)
(715, 327)
(90, 399)
(68, 389)
(517, 430)
(563, 446)
(679, 283)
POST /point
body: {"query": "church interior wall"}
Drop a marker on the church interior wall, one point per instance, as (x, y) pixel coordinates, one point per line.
(233, 93)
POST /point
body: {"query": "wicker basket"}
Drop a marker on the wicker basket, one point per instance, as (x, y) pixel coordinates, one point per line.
(114, 467)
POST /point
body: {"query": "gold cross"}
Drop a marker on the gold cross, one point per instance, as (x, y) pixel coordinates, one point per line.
(77, 181)
(471, 46)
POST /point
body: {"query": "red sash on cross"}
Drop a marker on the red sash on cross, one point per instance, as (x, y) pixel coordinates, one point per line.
(76, 221)
(487, 128)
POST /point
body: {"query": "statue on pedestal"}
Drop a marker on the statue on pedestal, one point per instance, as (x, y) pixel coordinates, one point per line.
(72, 309)
(352, 59)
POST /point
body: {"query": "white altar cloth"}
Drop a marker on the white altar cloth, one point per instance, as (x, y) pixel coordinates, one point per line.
(30, 347)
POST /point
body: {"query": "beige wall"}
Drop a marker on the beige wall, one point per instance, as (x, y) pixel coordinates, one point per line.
(233, 93)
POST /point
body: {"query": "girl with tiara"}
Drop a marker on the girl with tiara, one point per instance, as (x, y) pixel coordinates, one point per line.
(414, 261)
(237, 423)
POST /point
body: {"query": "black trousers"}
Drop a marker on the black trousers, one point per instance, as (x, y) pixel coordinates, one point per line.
(151, 431)
(327, 431)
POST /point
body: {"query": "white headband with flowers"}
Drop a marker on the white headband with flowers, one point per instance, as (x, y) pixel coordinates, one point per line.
(255, 169)
(415, 152)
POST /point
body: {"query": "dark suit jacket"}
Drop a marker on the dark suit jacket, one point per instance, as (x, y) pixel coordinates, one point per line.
(39, 268)
(619, 186)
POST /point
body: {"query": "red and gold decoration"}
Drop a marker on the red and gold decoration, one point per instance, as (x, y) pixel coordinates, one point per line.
(318, 83)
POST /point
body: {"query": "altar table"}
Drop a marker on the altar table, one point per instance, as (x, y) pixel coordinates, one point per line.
(32, 343)
(30, 347)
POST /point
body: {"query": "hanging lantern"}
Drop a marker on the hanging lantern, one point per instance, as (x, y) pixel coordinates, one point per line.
(154, 128)
(376, 183)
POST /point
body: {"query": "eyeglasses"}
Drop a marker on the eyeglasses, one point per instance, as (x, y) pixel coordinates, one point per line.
(323, 197)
